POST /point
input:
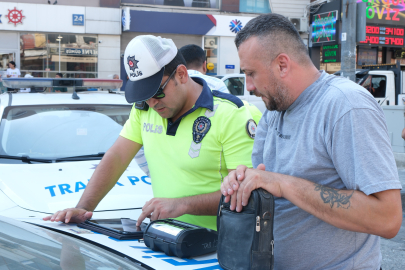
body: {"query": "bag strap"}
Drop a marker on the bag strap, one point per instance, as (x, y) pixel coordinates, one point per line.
(266, 221)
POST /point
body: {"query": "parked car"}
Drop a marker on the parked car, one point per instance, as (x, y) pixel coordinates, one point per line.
(237, 86)
(51, 143)
(26, 246)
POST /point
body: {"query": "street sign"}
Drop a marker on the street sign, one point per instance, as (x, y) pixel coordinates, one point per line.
(78, 19)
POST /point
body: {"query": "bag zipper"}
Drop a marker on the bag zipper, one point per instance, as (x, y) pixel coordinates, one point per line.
(257, 198)
(272, 247)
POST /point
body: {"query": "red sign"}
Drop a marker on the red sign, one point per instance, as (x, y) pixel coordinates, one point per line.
(384, 36)
(381, 30)
(388, 41)
(15, 16)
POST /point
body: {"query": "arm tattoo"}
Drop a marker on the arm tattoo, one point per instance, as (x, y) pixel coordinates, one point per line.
(332, 196)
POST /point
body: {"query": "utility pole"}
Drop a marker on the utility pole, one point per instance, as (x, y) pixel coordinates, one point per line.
(348, 39)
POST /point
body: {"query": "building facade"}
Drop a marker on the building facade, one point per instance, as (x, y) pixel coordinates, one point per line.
(64, 36)
(88, 38)
(211, 24)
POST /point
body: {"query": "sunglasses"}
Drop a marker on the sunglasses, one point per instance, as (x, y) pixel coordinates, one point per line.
(159, 94)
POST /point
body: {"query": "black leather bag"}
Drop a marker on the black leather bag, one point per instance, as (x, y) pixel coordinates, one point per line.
(245, 239)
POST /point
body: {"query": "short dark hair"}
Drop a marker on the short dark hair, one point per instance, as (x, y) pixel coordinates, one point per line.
(194, 55)
(13, 63)
(59, 74)
(177, 60)
(278, 31)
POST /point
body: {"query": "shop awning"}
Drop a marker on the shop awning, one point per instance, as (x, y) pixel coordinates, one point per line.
(34, 52)
(168, 22)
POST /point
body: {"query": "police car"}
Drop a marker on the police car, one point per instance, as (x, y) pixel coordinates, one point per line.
(50, 145)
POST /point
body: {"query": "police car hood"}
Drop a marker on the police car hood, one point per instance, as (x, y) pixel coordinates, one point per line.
(51, 187)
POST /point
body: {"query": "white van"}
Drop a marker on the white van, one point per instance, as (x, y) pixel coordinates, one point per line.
(237, 86)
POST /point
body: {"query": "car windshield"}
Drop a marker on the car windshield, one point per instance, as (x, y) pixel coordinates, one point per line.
(59, 131)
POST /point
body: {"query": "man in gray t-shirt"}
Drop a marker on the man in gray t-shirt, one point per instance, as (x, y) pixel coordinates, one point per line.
(322, 149)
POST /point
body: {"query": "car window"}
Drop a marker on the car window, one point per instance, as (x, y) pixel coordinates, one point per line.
(235, 85)
(57, 131)
(379, 84)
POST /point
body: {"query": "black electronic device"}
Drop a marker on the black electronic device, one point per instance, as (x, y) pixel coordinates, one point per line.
(122, 229)
(141, 105)
(180, 239)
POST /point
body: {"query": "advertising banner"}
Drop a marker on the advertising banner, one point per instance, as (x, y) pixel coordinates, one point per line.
(385, 12)
(324, 27)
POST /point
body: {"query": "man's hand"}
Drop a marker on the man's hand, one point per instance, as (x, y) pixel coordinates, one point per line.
(231, 181)
(249, 180)
(161, 208)
(75, 215)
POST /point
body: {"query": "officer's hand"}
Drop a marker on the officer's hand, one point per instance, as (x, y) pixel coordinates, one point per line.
(161, 208)
(231, 181)
(75, 215)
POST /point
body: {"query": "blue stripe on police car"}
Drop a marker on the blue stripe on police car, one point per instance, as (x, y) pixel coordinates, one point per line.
(67, 188)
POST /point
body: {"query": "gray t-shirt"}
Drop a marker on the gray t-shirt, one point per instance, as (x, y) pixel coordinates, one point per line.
(334, 134)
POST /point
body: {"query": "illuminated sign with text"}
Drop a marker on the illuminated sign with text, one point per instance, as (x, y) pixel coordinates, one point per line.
(324, 27)
(391, 12)
(331, 53)
(384, 36)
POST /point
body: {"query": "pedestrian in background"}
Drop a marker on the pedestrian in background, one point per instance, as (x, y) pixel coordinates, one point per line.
(12, 72)
(322, 149)
(59, 89)
(26, 90)
(197, 67)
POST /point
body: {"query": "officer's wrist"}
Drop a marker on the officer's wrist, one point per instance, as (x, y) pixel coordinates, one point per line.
(83, 208)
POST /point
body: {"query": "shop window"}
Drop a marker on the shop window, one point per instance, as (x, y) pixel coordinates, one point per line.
(44, 55)
(211, 52)
(235, 85)
(254, 6)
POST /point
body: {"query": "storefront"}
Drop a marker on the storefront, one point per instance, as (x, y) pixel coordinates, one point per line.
(385, 33)
(325, 44)
(214, 33)
(81, 42)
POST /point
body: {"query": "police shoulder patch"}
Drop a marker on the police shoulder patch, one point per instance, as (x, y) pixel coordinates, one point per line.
(251, 128)
(201, 126)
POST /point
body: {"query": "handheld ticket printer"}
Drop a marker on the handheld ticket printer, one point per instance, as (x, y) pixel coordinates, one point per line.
(180, 239)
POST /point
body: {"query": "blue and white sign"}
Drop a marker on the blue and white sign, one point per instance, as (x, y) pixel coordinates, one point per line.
(126, 19)
(78, 19)
(0, 18)
(229, 66)
(80, 51)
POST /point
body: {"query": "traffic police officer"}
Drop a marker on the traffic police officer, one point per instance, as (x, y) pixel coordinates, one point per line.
(192, 138)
